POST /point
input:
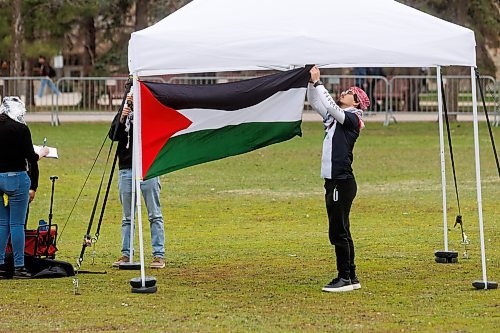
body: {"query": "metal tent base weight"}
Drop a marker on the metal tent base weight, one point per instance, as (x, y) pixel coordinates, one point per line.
(446, 257)
(149, 288)
(130, 266)
(482, 285)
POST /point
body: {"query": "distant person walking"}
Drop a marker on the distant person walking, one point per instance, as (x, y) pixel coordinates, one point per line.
(4, 69)
(5, 72)
(343, 121)
(48, 73)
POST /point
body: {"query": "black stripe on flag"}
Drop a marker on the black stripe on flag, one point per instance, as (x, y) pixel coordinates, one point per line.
(227, 96)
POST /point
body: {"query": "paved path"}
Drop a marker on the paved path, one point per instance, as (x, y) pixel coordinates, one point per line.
(70, 117)
(107, 117)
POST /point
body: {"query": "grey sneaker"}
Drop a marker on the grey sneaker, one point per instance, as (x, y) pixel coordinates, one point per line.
(21, 273)
(158, 262)
(355, 283)
(122, 259)
(338, 285)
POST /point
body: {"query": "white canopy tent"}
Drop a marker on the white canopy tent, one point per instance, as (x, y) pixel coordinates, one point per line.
(232, 35)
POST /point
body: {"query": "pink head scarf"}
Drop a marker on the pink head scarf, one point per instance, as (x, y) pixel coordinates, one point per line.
(364, 100)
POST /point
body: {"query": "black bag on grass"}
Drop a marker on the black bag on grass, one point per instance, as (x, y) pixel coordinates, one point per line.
(41, 268)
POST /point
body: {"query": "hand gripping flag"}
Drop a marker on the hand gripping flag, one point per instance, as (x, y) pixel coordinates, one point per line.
(184, 125)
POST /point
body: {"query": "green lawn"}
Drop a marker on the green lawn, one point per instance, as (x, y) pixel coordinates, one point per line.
(247, 244)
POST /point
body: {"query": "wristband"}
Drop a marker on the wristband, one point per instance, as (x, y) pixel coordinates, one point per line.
(318, 83)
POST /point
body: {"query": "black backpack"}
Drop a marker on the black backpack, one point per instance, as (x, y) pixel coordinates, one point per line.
(52, 72)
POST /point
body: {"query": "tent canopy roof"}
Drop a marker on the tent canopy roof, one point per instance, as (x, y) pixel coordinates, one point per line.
(231, 35)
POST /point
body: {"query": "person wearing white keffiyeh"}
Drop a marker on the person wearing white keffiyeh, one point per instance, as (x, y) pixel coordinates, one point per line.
(16, 187)
(343, 121)
(14, 108)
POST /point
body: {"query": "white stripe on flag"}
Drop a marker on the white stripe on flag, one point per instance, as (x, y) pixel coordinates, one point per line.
(284, 106)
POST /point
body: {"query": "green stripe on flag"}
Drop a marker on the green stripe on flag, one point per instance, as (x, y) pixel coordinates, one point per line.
(213, 144)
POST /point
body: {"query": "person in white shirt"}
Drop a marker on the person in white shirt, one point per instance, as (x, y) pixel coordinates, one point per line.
(343, 121)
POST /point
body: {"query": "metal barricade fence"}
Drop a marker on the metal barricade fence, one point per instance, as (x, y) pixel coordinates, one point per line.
(419, 93)
(375, 86)
(31, 90)
(407, 93)
(82, 94)
(90, 93)
(97, 94)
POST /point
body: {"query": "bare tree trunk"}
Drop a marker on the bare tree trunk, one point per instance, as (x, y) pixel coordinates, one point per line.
(29, 92)
(88, 31)
(89, 36)
(17, 37)
(141, 14)
(451, 88)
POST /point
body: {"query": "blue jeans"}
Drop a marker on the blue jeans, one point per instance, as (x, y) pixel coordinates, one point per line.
(151, 193)
(17, 186)
(52, 86)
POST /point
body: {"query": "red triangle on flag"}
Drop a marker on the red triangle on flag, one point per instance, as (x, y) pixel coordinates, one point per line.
(158, 124)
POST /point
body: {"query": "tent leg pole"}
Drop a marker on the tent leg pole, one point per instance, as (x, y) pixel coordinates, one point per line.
(144, 285)
(485, 284)
(441, 151)
(132, 217)
(137, 180)
(141, 239)
(389, 105)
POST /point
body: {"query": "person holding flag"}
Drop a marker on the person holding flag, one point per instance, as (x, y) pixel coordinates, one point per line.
(343, 121)
(150, 188)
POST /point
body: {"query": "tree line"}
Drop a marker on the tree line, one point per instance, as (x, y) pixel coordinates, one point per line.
(94, 33)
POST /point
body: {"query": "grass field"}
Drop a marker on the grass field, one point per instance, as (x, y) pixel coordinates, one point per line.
(247, 244)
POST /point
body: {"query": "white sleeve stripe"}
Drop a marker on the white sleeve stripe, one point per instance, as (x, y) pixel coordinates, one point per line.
(330, 105)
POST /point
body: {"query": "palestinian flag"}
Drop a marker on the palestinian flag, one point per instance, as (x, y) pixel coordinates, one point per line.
(184, 125)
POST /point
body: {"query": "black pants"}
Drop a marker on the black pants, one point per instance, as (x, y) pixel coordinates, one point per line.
(339, 196)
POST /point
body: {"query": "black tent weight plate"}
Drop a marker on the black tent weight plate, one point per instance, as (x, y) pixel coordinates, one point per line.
(150, 281)
(446, 254)
(130, 266)
(480, 285)
(145, 290)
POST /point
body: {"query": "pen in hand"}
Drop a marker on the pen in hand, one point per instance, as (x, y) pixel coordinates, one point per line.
(44, 151)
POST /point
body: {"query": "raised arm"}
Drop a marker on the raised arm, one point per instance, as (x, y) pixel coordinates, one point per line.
(329, 104)
(314, 101)
(324, 97)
